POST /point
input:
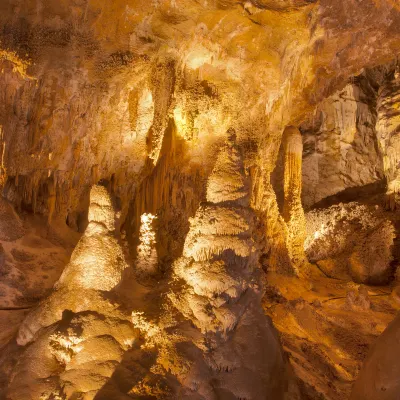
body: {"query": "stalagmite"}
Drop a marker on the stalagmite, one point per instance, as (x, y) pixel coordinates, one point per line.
(387, 128)
(96, 265)
(79, 335)
(293, 212)
(146, 262)
(218, 288)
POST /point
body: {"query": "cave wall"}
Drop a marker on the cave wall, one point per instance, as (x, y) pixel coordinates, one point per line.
(388, 131)
(341, 148)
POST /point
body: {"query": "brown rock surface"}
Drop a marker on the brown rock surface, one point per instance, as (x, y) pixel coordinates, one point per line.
(113, 149)
(341, 146)
(379, 377)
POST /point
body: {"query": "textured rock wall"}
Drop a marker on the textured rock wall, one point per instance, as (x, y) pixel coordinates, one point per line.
(139, 95)
(340, 144)
(171, 193)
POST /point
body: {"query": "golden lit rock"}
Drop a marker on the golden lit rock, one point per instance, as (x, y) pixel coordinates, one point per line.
(146, 263)
(192, 199)
(96, 265)
(293, 213)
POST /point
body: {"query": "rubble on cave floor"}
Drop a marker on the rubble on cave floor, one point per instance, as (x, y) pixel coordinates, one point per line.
(327, 327)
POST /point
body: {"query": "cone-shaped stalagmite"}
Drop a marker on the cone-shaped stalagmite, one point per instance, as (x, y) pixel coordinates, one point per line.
(232, 351)
(78, 335)
(293, 212)
(96, 265)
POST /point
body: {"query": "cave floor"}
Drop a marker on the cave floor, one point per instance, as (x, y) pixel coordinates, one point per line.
(327, 327)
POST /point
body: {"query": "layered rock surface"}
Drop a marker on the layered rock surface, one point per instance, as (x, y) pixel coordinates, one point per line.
(341, 145)
(387, 129)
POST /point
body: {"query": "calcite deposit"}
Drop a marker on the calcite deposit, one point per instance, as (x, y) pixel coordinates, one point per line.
(351, 239)
(218, 289)
(199, 199)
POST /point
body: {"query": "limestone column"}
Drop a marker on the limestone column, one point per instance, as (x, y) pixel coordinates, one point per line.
(147, 260)
(387, 130)
(293, 213)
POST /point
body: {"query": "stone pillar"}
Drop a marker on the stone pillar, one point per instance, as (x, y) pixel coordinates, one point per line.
(293, 213)
(387, 130)
(147, 260)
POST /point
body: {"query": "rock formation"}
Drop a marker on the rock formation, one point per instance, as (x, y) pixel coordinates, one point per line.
(293, 213)
(379, 377)
(147, 259)
(351, 240)
(78, 334)
(218, 288)
(156, 159)
(387, 129)
(340, 144)
(96, 266)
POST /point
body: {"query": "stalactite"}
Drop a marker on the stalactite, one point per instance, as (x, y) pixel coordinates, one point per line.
(293, 212)
(171, 192)
(163, 80)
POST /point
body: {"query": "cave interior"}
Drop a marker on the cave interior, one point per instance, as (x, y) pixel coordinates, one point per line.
(200, 200)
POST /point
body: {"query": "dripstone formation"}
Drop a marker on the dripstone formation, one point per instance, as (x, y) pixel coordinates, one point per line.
(199, 199)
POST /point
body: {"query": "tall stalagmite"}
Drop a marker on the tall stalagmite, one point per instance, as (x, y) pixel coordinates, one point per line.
(96, 266)
(387, 128)
(218, 288)
(293, 212)
(78, 334)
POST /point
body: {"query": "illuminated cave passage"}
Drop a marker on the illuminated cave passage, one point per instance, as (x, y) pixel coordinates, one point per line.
(200, 200)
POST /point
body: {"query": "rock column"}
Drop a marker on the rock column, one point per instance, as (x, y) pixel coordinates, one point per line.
(223, 345)
(387, 129)
(293, 212)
